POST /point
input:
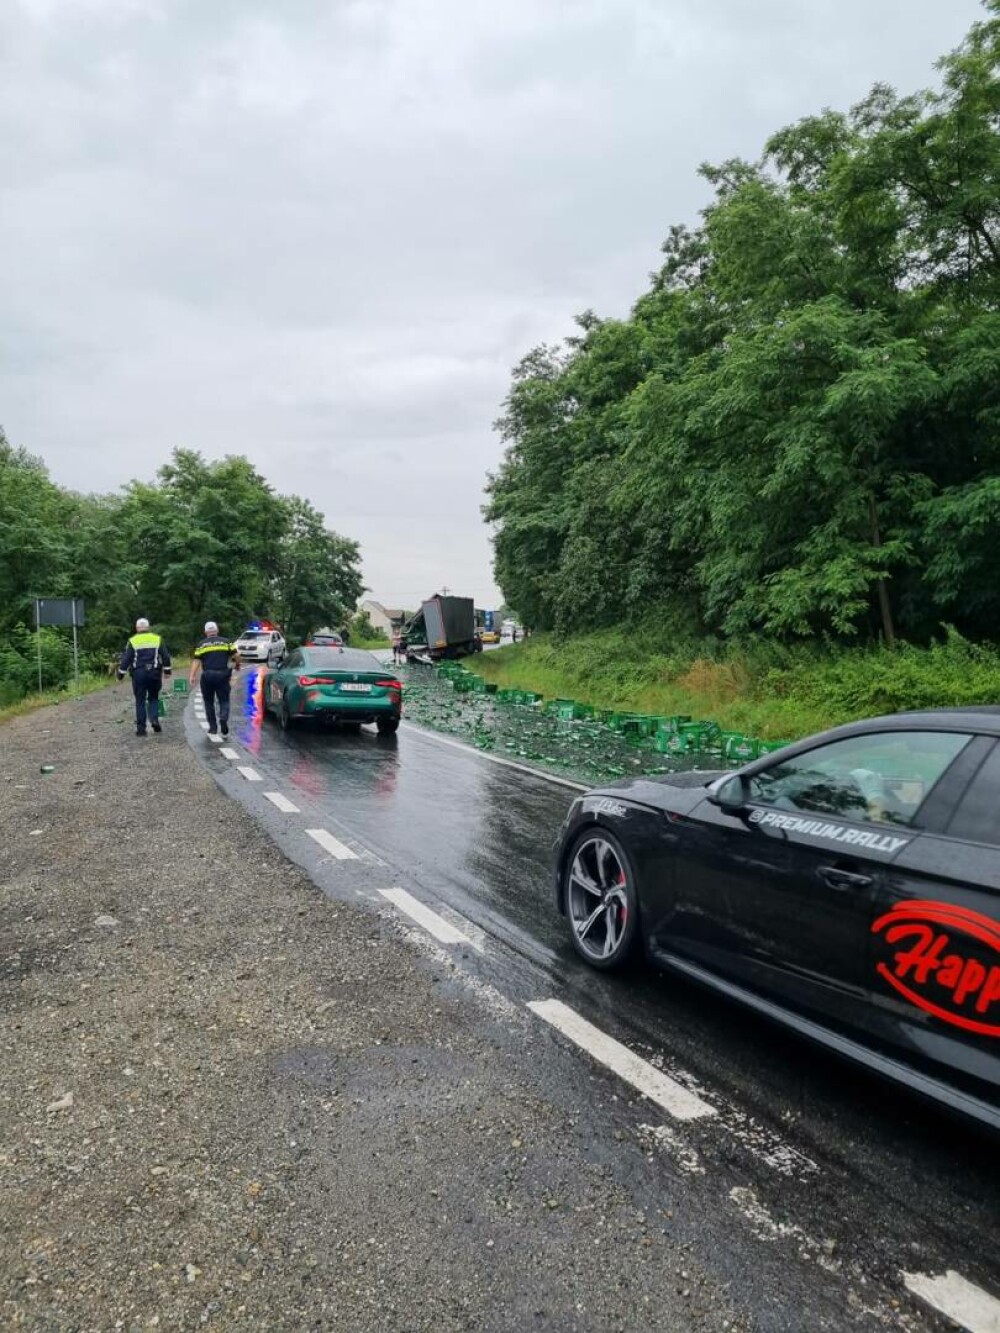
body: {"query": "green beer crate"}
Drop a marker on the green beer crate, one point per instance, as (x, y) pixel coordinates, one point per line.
(180, 685)
(739, 747)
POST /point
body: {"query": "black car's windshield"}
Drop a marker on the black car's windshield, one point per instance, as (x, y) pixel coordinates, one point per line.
(882, 777)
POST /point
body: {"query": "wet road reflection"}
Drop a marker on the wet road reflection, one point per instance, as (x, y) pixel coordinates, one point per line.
(248, 707)
(443, 817)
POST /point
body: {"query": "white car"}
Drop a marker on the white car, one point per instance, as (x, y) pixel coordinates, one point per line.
(261, 645)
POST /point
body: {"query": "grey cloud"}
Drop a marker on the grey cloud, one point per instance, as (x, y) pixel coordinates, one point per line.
(321, 233)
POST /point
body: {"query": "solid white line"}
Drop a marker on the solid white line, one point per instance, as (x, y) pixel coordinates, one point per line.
(652, 1083)
(441, 930)
(229, 753)
(250, 774)
(961, 1301)
(286, 806)
(495, 758)
(330, 844)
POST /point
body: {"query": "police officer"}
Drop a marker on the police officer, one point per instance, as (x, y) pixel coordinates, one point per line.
(215, 657)
(147, 658)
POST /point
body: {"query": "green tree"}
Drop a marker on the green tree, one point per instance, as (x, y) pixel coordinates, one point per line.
(796, 431)
(318, 575)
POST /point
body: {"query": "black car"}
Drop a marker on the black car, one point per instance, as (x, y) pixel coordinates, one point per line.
(847, 885)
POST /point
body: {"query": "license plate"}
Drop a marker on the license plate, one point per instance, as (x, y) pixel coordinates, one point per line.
(358, 689)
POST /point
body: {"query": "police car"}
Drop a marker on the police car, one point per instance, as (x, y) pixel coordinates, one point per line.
(847, 886)
(261, 642)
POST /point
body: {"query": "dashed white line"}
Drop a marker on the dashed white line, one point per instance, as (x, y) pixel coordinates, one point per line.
(228, 752)
(203, 725)
(959, 1300)
(216, 740)
(286, 806)
(652, 1083)
(417, 911)
(250, 774)
(330, 844)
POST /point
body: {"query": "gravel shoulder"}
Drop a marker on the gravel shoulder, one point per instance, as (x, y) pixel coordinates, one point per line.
(227, 1100)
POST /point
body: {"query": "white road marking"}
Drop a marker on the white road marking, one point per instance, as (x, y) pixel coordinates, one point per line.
(652, 1083)
(203, 725)
(229, 753)
(959, 1300)
(286, 806)
(330, 844)
(767, 1145)
(250, 774)
(762, 1224)
(216, 740)
(441, 930)
(495, 758)
(666, 1138)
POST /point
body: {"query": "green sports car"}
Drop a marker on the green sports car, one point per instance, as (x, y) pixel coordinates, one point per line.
(344, 685)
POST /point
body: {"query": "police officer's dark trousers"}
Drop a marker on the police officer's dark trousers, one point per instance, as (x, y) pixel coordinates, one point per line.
(146, 686)
(215, 689)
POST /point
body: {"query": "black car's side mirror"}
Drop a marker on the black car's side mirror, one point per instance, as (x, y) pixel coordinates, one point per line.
(729, 794)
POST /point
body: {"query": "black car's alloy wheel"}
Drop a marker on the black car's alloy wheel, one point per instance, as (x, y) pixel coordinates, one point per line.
(601, 901)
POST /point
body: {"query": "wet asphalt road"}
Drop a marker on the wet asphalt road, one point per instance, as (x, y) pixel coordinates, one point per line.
(813, 1183)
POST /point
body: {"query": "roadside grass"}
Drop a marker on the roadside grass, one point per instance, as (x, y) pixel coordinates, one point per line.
(380, 642)
(772, 691)
(31, 702)
(89, 684)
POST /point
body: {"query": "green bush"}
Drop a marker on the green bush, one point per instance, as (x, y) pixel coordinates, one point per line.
(760, 689)
(19, 662)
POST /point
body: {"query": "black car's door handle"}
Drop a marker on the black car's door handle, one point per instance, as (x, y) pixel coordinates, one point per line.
(835, 877)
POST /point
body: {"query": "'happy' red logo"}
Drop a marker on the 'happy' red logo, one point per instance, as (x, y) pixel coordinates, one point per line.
(933, 962)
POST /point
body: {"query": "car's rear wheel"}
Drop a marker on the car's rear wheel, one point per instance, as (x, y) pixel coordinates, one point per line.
(602, 903)
(284, 715)
(387, 726)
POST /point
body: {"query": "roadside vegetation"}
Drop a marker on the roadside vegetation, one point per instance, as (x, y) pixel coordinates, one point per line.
(791, 443)
(203, 540)
(87, 684)
(775, 691)
(364, 634)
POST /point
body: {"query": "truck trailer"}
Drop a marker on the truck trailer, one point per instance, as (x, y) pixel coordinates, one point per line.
(443, 627)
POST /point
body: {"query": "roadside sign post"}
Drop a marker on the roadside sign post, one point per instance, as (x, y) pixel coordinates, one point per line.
(60, 611)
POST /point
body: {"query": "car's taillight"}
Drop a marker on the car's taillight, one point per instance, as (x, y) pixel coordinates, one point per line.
(312, 680)
(390, 684)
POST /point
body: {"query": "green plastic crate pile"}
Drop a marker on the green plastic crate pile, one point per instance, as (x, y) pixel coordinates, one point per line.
(563, 734)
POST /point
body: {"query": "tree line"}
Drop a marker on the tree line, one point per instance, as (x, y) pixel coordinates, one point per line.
(796, 432)
(206, 539)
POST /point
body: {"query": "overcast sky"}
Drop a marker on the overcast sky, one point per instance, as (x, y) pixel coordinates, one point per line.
(321, 232)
